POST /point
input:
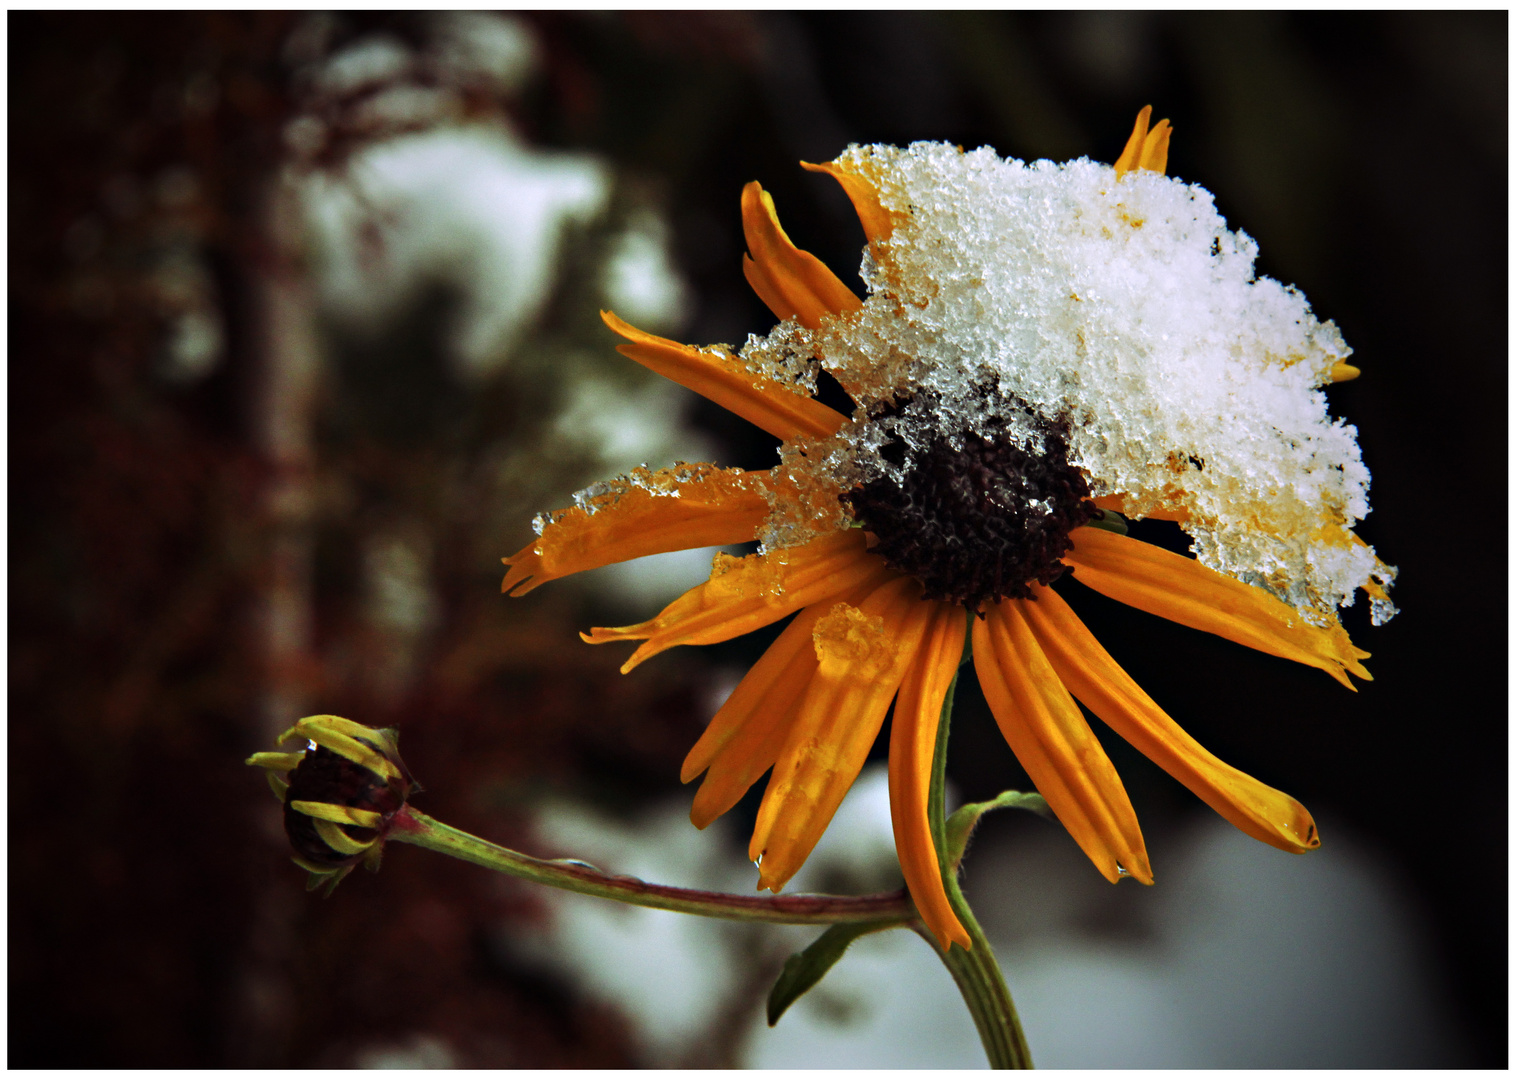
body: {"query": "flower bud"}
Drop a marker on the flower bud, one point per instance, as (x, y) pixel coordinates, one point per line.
(340, 794)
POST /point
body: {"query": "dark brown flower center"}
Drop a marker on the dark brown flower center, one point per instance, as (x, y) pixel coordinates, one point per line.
(978, 523)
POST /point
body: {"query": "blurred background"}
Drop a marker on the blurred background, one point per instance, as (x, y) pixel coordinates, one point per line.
(303, 332)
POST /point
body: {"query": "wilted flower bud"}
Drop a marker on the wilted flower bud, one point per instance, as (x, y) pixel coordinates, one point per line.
(340, 796)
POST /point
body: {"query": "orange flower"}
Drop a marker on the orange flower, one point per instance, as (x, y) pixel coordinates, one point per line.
(967, 528)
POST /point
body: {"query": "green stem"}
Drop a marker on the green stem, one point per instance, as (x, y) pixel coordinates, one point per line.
(974, 970)
(410, 826)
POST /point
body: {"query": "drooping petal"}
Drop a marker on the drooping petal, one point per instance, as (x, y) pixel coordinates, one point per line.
(1157, 581)
(793, 283)
(721, 377)
(862, 655)
(913, 739)
(876, 220)
(1054, 743)
(340, 842)
(668, 511)
(744, 738)
(745, 594)
(754, 693)
(1111, 694)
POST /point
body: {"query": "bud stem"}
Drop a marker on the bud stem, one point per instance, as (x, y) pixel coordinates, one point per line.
(413, 827)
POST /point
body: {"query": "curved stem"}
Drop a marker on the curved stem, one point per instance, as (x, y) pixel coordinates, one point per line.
(974, 970)
(410, 826)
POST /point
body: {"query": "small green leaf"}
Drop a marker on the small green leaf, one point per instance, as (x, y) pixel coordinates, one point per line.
(1108, 520)
(961, 824)
(805, 969)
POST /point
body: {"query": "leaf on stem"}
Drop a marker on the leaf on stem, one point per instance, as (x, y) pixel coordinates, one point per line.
(961, 824)
(805, 969)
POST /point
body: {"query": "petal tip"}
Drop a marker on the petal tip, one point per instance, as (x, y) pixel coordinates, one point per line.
(948, 936)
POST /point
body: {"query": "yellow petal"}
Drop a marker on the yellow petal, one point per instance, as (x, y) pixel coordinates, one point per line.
(1111, 694)
(862, 654)
(339, 841)
(1131, 156)
(1155, 148)
(1054, 743)
(1157, 581)
(277, 762)
(745, 736)
(342, 815)
(743, 595)
(710, 509)
(721, 377)
(793, 283)
(765, 685)
(349, 739)
(876, 221)
(913, 740)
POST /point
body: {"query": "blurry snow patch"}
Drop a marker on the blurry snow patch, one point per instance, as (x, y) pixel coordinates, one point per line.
(195, 345)
(487, 47)
(726, 680)
(654, 580)
(674, 976)
(1249, 958)
(670, 974)
(418, 1052)
(888, 1004)
(470, 205)
(186, 293)
(364, 65)
(641, 284)
(626, 426)
(400, 604)
(398, 570)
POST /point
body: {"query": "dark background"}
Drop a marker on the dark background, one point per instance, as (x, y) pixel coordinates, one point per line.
(154, 920)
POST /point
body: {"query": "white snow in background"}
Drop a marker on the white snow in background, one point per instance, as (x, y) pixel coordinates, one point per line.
(669, 973)
(641, 283)
(1254, 958)
(470, 205)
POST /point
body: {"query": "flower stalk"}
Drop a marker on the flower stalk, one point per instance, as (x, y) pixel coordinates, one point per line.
(413, 827)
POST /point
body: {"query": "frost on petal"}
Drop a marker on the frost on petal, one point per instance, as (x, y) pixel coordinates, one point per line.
(848, 638)
(1010, 292)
